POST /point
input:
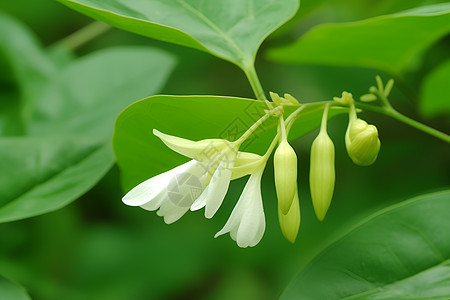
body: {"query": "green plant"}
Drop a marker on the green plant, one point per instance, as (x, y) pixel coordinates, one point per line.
(63, 124)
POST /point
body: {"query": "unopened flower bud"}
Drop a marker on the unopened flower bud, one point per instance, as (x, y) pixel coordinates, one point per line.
(368, 98)
(346, 98)
(322, 174)
(285, 169)
(290, 222)
(275, 98)
(362, 142)
(290, 99)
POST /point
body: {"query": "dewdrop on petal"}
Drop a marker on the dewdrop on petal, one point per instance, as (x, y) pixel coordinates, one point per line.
(362, 142)
(285, 169)
(290, 222)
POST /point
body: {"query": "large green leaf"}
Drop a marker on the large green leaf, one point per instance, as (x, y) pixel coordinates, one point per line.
(88, 94)
(68, 148)
(386, 43)
(19, 46)
(11, 291)
(40, 175)
(435, 96)
(232, 30)
(25, 69)
(141, 155)
(402, 252)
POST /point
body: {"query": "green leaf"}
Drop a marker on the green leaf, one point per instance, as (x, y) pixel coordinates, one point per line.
(232, 30)
(68, 149)
(435, 96)
(12, 291)
(21, 58)
(23, 51)
(40, 175)
(402, 252)
(11, 122)
(385, 43)
(88, 94)
(141, 155)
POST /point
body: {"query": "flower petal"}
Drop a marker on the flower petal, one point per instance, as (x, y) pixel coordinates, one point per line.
(171, 212)
(200, 202)
(234, 220)
(218, 188)
(253, 223)
(192, 149)
(246, 163)
(152, 189)
(247, 222)
(244, 158)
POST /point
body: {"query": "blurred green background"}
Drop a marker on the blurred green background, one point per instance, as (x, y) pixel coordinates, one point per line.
(98, 248)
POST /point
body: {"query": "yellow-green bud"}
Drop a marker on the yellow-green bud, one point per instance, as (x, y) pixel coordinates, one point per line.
(346, 98)
(368, 98)
(362, 142)
(322, 174)
(275, 98)
(290, 99)
(285, 169)
(290, 222)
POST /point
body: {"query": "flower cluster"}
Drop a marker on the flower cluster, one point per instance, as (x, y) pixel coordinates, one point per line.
(203, 181)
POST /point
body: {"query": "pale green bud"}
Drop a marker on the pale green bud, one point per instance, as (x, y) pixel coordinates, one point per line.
(290, 222)
(291, 100)
(362, 142)
(286, 100)
(285, 169)
(275, 98)
(346, 98)
(322, 174)
(368, 98)
(388, 87)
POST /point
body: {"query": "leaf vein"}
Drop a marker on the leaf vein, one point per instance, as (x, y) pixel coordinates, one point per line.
(213, 26)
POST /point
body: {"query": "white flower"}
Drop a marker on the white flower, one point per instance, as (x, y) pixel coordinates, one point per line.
(216, 156)
(247, 223)
(201, 182)
(160, 192)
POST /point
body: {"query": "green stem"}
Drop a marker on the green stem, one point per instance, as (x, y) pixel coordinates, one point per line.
(292, 117)
(254, 127)
(323, 125)
(391, 112)
(271, 147)
(384, 100)
(283, 129)
(352, 113)
(252, 77)
(85, 35)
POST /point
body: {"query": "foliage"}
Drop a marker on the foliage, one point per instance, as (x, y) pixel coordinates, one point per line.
(59, 99)
(395, 253)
